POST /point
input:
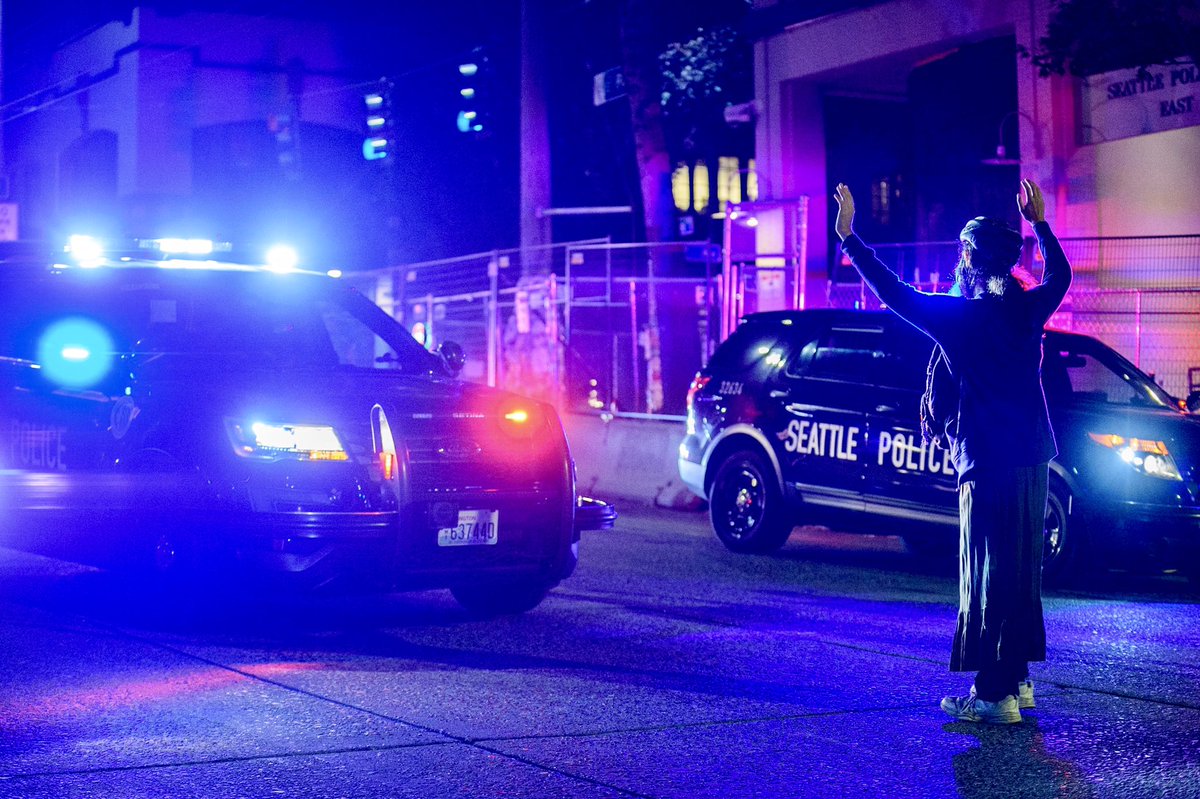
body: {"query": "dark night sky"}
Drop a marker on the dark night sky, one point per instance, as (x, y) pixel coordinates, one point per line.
(463, 188)
(468, 186)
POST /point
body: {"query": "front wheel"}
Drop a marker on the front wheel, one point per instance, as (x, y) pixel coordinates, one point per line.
(746, 505)
(502, 597)
(1061, 556)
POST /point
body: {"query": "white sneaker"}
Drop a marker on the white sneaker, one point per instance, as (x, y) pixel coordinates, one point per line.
(972, 708)
(1025, 695)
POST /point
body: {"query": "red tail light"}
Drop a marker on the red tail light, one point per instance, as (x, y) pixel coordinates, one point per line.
(520, 421)
(698, 382)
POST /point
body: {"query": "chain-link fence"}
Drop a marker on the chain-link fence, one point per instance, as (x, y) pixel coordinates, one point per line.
(586, 324)
(503, 307)
(1157, 329)
(591, 325)
(640, 320)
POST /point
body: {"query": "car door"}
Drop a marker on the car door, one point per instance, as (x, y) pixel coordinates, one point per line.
(907, 478)
(61, 392)
(822, 399)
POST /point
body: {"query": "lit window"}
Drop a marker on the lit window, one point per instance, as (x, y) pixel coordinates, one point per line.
(700, 188)
(680, 188)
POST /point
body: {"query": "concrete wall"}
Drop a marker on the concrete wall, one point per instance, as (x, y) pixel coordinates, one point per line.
(629, 459)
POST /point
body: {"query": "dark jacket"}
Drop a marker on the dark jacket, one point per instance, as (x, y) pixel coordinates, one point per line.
(994, 349)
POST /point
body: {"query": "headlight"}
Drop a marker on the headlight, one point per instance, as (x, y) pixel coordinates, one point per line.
(265, 441)
(1148, 457)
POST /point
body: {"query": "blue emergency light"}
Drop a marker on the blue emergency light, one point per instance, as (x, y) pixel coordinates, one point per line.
(75, 352)
(282, 258)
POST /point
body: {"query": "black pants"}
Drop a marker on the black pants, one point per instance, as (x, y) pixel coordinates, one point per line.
(1000, 679)
(1000, 628)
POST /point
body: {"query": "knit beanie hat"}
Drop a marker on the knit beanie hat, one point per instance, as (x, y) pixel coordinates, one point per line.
(997, 243)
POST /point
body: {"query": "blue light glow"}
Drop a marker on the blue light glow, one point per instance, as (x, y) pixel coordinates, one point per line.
(85, 249)
(282, 258)
(75, 352)
(186, 246)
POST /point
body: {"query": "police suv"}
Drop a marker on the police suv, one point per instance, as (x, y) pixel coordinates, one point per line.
(812, 417)
(173, 412)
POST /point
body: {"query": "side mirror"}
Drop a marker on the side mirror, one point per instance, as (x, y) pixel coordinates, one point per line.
(452, 356)
(1193, 402)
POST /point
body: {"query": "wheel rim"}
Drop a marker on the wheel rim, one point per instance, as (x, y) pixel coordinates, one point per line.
(1054, 534)
(743, 500)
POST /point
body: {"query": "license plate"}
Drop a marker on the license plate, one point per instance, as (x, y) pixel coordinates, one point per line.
(474, 528)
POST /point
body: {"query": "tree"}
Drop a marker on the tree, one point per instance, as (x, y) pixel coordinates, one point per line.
(700, 77)
(640, 43)
(1088, 37)
(682, 63)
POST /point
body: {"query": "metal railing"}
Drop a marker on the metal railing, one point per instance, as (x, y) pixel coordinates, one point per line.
(622, 328)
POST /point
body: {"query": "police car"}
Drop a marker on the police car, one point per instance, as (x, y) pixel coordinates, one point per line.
(172, 412)
(812, 417)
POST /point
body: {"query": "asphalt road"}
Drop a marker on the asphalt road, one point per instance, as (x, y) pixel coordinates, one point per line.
(666, 667)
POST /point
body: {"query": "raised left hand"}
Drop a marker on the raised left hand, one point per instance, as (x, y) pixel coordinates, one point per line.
(845, 217)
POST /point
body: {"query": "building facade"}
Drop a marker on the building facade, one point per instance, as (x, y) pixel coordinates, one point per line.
(195, 123)
(929, 112)
(1128, 180)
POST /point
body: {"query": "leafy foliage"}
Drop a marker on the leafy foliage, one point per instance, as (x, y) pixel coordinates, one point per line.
(700, 77)
(700, 71)
(1088, 37)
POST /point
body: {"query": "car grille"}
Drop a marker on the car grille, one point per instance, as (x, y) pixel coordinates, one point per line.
(455, 465)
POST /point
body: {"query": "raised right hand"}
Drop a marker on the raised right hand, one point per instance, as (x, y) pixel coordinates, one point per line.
(1031, 203)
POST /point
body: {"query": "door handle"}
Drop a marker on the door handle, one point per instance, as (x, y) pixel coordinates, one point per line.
(885, 409)
(777, 394)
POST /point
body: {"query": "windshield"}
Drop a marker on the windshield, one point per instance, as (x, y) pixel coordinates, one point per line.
(1089, 372)
(214, 320)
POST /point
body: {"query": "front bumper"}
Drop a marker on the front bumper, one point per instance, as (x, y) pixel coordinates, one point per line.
(1165, 536)
(594, 514)
(396, 549)
(691, 465)
(61, 516)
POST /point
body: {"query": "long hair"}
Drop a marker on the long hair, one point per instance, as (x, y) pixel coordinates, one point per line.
(974, 275)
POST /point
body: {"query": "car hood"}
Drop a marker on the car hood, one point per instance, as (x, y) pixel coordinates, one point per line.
(339, 397)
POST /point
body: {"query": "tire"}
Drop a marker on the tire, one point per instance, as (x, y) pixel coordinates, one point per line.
(502, 597)
(1061, 536)
(167, 564)
(746, 505)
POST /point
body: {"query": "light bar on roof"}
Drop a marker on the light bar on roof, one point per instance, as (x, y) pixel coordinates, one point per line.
(193, 247)
(85, 248)
(282, 258)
